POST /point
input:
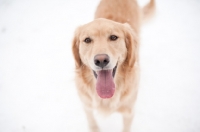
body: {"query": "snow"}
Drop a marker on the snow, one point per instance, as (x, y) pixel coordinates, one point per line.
(37, 92)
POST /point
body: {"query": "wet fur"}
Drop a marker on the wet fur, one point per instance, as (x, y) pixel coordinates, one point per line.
(127, 74)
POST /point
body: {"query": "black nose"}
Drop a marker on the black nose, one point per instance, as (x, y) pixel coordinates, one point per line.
(101, 60)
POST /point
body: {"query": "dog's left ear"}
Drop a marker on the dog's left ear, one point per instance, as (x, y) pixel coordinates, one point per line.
(75, 48)
(132, 45)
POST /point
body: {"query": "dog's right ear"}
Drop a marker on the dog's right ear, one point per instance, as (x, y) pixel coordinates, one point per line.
(75, 48)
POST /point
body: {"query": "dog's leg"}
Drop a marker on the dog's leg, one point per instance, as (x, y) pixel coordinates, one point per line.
(127, 114)
(91, 121)
(127, 121)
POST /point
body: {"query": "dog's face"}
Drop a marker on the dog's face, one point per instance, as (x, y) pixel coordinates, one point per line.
(103, 45)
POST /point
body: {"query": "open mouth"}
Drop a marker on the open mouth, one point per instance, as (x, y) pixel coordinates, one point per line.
(113, 72)
(105, 85)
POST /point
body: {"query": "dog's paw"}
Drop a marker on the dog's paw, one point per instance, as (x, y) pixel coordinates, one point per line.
(94, 129)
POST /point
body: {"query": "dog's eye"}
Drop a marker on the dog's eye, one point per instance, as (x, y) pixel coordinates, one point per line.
(113, 37)
(87, 40)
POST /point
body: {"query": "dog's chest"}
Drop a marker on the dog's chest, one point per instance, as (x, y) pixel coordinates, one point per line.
(106, 105)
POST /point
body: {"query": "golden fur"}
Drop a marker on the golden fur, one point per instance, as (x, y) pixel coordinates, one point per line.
(123, 19)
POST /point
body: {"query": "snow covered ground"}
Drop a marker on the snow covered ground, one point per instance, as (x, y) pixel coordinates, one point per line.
(37, 92)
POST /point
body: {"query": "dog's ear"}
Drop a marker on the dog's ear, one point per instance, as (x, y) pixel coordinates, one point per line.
(131, 40)
(75, 48)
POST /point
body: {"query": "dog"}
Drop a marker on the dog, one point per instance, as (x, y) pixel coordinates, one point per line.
(106, 59)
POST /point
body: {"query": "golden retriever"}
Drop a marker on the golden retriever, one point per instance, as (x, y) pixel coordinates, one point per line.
(106, 59)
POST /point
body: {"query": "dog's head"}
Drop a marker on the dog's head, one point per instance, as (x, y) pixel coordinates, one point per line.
(103, 45)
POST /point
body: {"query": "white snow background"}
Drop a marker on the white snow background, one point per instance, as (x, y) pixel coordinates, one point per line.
(37, 92)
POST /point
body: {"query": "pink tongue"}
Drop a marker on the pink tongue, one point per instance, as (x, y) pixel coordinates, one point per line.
(105, 86)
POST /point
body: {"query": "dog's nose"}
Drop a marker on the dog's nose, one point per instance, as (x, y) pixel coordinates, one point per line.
(101, 60)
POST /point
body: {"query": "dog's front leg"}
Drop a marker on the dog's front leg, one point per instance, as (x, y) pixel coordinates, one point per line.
(127, 122)
(91, 120)
(127, 114)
